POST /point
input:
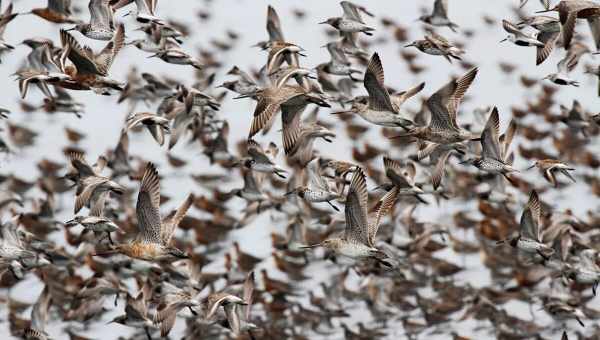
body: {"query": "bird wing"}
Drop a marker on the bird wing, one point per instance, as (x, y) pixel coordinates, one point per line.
(440, 8)
(98, 13)
(290, 117)
(263, 113)
(77, 160)
(568, 21)
(171, 221)
(81, 57)
(438, 171)
(510, 28)
(351, 11)
(147, 207)
(106, 57)
(39, 313)
(445, 102)
(274, 25)
(393, 171)
(490, 137)
(508, 137)
(531, 218)
(549, 40)
(247, 296)
(399, 98)
(85, 191)
(250, 181)
(315, 177)
(384, 205)
(356, 209)
(379, 98)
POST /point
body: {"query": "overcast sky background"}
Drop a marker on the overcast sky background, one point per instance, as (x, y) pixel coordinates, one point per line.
(103, 118)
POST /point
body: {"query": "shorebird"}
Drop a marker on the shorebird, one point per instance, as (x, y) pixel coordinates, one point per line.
(494, 159)
(56, 11)
(299, 135)
(529, 239)
(568, 64)
(338, 63)
(517, 37)
(272, 98)
(358, 240)
(136, 314)
(435, 44)
(402, 179)
(237, 320)
(15, 254)
(90, 70)
(379, 107)
(251, 191)
(177, 56)
(172, 302)
(261, 160)
(245, 85)
(92, 188)
(443, 105)
(157, 125)
(97, 224)
(549, 167)
(439, 16)
(561, 311)
(575, 117)
(280, 51)
(571, 10)
(586, 271)
(154, 237)
(318, 189)
(351, 21)
(144, 12)
(101, 25)
(548, 34)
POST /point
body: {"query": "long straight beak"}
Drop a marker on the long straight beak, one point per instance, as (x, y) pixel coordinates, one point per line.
(531, 167)
(340, 112)
(323, 22)
(310, 246)
(503, 40)
(242, 96)
(290, 192)
(152, 56)
(410, 45)
(545, 11)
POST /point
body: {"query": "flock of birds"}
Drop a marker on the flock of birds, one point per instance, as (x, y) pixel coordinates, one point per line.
(537, 255)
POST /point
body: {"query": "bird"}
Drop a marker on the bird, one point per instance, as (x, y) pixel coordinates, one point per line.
(156, 124)
(318, 190)
(262, 161)
(494, 159)
(586, 271)
(56, 11)
(529, 239)
(90, 70)
(517, 37)
(379, 107)
(439, 16)
(358, 240)
(96, 224)
(549, 168)
(548, 34)
(435, 44)
(351, 21)
(152, 242)
(443, 105)
(92, 188)
(101, 25)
